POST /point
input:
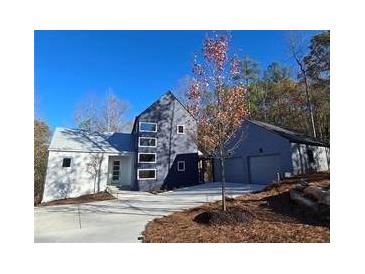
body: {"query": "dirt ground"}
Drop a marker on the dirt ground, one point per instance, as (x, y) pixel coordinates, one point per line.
(101, 196)
(275, 220)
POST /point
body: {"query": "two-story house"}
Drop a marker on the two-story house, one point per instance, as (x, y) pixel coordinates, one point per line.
(159, 153)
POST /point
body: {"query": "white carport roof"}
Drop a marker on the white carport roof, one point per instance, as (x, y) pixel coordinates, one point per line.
(65, 139)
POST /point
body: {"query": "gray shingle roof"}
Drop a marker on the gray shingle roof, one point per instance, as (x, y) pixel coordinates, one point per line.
(292, 136)
(65, 139)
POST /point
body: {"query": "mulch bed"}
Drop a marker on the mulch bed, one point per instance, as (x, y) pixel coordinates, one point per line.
(232, 216)
(101, 196)
(267, 217)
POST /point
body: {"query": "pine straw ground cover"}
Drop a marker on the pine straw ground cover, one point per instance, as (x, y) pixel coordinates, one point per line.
(275, 219)
(100, 196)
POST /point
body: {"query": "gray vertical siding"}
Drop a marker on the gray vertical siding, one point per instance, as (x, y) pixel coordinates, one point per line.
(250, 139)
(167, 112)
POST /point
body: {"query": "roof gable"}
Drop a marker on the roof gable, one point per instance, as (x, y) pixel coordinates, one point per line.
(168, 94)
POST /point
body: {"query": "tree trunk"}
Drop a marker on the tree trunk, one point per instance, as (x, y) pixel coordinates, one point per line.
(247, 96)
(309, 103)
(223, 185)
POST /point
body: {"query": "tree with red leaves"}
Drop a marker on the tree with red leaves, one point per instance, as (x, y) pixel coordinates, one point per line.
(216, 99)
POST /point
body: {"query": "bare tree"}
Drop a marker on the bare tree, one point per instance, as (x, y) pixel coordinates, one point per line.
(86, 113)
(111, 114)
(94, 169)
(104, 115)
(296, 45)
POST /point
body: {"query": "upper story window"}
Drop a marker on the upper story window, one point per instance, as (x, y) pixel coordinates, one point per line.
(147, 142)
(180, 129)
(66, 162)
(147, 127)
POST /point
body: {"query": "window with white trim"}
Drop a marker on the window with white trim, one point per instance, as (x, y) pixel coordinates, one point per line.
(146, 157)
(147, 127)
(146, 174)
(147, 142)
(66, 162)
(180, 129)
(181, 166)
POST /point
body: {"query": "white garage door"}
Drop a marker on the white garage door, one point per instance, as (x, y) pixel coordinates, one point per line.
(263, 169)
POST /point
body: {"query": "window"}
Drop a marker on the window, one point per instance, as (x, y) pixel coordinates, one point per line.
(66, 162)
(310, 156)
(116, 168)
(146, 174)
(146, 157)
(180, 129)
(147, 142)
(181, 166)
(147, 127)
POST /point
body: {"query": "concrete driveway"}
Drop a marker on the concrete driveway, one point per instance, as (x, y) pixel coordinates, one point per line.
(124, 219)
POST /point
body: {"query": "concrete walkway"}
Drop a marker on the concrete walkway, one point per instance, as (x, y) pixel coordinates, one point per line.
(124, 219)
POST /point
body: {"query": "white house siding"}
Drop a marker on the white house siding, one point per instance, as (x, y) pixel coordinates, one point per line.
(250, 139)
(300, 158)
(73, 181)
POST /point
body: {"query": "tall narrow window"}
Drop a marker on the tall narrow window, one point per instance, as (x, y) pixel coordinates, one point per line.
(66, 162)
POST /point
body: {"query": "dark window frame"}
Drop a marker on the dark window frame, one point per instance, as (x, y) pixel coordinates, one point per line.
(66, 162)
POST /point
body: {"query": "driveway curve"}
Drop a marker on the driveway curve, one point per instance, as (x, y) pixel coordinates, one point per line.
(123, 219)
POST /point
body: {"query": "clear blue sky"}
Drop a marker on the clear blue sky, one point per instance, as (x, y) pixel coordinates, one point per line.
(138, 66)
